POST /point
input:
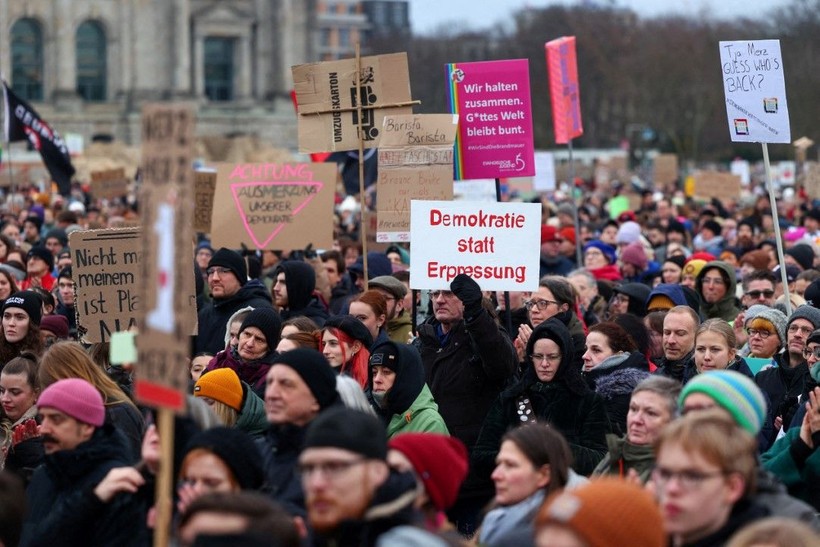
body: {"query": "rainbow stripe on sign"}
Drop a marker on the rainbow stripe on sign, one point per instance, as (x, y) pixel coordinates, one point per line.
(455, 75)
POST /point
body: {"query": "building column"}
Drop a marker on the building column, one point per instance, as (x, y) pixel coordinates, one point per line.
(182, 48)
(244, 77)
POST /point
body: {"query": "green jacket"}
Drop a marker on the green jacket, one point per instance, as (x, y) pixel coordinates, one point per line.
(400, 327)
(252, 419)
(796, 465)
(421, 417)
(641, 458)
(725, 308)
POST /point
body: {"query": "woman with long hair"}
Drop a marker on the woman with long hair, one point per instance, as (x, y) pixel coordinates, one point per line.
(8, 285)
(21, 447)
(370, 307)
(69, 360)
(344, 342)
(715, 348)
(533, 462)
(21, 326)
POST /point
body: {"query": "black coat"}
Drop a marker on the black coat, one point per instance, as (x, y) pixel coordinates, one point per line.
(565, 403)
(281, 447)
(213, 317)
(782, 385)
(467, 373)
(63, 510)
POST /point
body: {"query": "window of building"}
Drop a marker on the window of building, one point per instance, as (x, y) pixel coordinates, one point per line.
(344, 37)
(219, 68)
(27, 59)
(91, 65)
(399, 17)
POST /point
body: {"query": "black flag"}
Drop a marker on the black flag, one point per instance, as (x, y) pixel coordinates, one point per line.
(23, 123)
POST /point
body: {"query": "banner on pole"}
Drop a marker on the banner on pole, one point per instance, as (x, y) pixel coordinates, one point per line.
(755, 91)
(492, 99)
(497, 244)
(564, 90)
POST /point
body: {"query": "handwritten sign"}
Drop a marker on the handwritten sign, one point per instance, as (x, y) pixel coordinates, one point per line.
(564, 90)
(326, 94)
(716, 184)
(106, 267)
(497, 244)
(415, 162)
(755, 91)
(665, 169)
(167, 315)
(109, 184)
(492, 99)
(204, 187)
(274, 206)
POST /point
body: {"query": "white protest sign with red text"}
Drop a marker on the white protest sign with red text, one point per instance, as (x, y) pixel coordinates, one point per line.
(497, 244)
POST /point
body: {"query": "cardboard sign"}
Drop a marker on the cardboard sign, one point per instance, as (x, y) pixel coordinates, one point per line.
(544, 172)
(492, 99)
(811, 178)
(167, 315)
(415, 162)
(666, 169)
(564, 90)
(106, 267)
(109, 184)
(273, 206)
(716, 184)
(742, 169)
(204, 187)
(755, 91)
(497, 244)
(326, 94)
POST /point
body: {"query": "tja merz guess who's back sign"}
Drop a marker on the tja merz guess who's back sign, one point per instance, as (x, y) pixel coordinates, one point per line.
(279, 206)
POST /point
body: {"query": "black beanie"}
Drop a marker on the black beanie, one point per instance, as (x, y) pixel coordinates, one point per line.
(352, 327)
(266, 320)
(385, 355)
(678, 260)
(812, 294)
(803, 254)
(348, 429)
(713, 226)
(42, 252)
(28, 301)
(237, 449)
(232, 260)
(315, 371)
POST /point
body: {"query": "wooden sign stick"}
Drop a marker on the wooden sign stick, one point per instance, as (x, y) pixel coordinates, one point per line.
(363, 229)
(163, 500)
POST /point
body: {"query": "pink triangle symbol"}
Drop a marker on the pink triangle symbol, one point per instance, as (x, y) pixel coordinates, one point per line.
(298, 202)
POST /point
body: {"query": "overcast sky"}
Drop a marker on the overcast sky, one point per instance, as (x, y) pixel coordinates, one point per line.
(427, 15)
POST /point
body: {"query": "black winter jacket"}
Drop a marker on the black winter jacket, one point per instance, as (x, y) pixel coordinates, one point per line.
(213, 318)
(467, 373)
(63, 510)
(615, 385)
(281, 447)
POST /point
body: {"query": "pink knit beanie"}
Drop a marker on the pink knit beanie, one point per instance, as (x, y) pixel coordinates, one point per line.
(76, 398)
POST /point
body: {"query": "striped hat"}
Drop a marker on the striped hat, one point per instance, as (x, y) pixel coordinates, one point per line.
(734, 392)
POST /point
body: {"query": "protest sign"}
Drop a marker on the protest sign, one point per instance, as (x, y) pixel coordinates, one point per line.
(204, 186)
(811, 178)
(492, 99)
(666, 169)
(273, 206)
(544, 172)
(326, 96)
(564, 90)
(167, 314)
(716, 184)
(109, 184)
(415, 162)
(474, 190)
(497, 244)
(106, 266)
(741, 168)
(755, 91)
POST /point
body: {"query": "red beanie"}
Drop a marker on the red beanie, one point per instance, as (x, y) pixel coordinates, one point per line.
(439, 460)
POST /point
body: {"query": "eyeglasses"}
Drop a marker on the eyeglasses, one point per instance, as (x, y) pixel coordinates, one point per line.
(762, 333)
(446, 294)
(217, 270)
(688, 479)
(803, 330)
(712, 281)
(620, 298)
(756, 294)
(541, 357)
(593, 252)
(815, 352)
(331, 470)
(539, 303)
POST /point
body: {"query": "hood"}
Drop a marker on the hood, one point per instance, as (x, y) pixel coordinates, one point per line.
(725, 307)
(300, 280)
(231, 320)
(568, 374)
(409, 377)
(377, 264)
(672, 291)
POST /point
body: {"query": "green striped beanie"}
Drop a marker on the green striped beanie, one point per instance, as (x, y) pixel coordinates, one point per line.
(734, 392)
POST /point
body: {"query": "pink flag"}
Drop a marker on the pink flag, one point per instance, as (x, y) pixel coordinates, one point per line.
(566, 99)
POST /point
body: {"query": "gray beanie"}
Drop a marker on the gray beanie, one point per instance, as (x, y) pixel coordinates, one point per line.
(778, 319)
(809, 313)
(753, 311)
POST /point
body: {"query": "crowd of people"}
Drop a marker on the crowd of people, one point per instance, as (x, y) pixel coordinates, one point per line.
(664, 391)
